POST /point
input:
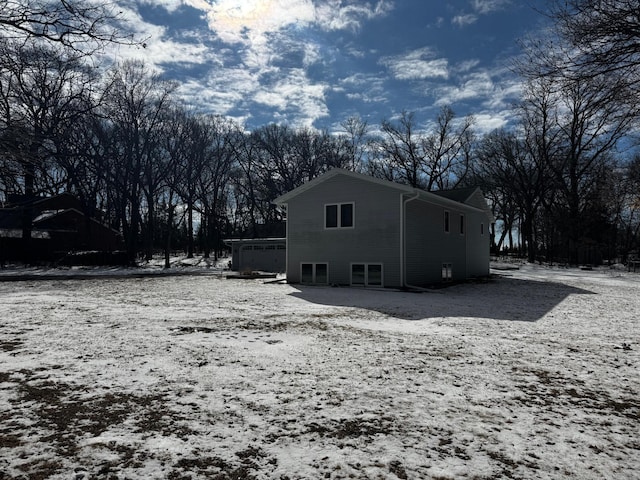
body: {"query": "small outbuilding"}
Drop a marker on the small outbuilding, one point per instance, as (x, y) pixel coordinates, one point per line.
(258, 254)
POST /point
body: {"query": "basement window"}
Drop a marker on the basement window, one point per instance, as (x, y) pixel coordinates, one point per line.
(314, 273)
(447, 272)
(366, 274)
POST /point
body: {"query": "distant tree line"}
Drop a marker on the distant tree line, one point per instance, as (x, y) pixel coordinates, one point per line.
(169, 178)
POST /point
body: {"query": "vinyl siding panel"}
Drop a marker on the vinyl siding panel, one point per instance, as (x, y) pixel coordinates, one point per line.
(478, 245)
(375, 237)
(428, 246)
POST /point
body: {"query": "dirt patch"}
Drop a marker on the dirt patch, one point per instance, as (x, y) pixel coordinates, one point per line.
(353, 428)
(10, 345)
(62, 415)
(552, 389)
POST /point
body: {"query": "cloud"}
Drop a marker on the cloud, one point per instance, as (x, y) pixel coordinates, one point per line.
(159, 48)
(344, 15)
(219, 94)
(466, 66)
(478, 7)
(476, 85)
(366, 88)
(486, 122)
(295, 97)
(169, 5)
(249, 21)
(487, 6)
(270, 39)
(464, 19)
(417, 65)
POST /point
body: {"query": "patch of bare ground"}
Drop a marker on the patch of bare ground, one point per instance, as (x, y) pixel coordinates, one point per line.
(552, 389)
(354, 427)
(62, 415)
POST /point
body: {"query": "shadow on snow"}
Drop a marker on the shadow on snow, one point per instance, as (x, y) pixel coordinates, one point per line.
(500, 299)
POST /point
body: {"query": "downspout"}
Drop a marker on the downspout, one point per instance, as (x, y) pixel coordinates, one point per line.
(284, 209)
(403, 243)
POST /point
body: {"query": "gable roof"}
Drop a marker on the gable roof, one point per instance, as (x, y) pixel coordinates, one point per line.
(282, 199)
(457, 195)
(467, 197)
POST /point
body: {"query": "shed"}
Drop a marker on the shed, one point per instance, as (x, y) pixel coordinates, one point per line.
(263, 254)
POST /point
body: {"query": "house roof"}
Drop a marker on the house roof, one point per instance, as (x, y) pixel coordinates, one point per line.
(230, 241)
(458, 197)
(282, 199)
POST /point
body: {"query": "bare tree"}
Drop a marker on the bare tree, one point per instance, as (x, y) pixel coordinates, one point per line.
(516, 181)
(400, 147)
(81, 26)
(43, 93)
(214, 179)
(447, 150)
(429, 158)
(589, 42)
(355, 130)
(136, 107)
(603, 36)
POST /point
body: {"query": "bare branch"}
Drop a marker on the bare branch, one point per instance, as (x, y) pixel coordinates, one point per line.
(83, 26)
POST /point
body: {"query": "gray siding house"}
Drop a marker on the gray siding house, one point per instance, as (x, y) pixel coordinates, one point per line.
(346, 228)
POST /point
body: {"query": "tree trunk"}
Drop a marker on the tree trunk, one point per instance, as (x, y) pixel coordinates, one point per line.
(190, 230)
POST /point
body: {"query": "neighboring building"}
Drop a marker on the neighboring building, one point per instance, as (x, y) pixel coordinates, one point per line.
(346, 228)
(258, 254)
(58, 228)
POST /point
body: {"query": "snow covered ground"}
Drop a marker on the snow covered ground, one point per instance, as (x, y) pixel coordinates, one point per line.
(533, 374)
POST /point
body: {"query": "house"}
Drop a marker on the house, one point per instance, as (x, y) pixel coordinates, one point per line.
(57, 227)
(346, 228)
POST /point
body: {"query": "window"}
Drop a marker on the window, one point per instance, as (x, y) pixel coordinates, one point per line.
(306, 273)
(374, 275)
(482, 229)
(322, 274)
(357, 274)
(346, 215)
(314, 273)
(447, 272)
(366, 274)
(461, 224)
(339, 215)
(446, 221)
(331, 216)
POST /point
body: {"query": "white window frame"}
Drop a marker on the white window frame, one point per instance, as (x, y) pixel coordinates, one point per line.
(366, 274)
(339, 214)
(313, 274)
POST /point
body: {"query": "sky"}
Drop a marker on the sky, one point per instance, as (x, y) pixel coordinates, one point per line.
(315, 63)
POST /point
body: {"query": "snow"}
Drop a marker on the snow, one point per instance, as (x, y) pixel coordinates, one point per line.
(532, 374)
